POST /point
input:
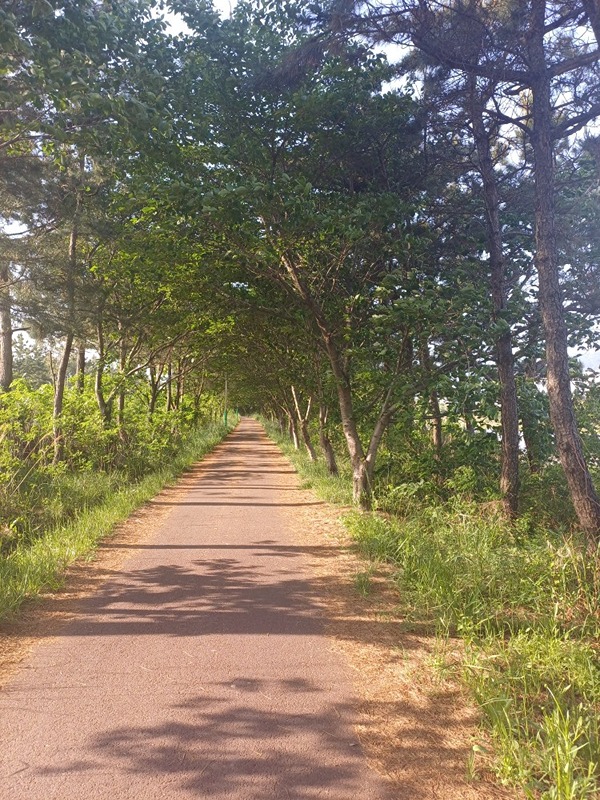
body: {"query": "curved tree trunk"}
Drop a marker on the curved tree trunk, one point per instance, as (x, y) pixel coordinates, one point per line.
(59, 389)
(81, 367)
(6, 332)
(303, 425)
(325, 443)
(569, 445)
(59, 394)
(103, 407)
(509, 461)
(437, 429)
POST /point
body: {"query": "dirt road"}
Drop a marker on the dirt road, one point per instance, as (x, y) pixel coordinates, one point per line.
(201, 670)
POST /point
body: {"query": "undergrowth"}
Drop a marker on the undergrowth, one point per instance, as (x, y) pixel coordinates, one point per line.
(86, 507)
(526, 602)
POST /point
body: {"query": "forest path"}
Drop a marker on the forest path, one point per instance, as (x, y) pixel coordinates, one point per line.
(201, 668)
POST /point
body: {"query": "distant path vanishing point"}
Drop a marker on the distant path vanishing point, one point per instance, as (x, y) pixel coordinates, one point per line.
(201, 670)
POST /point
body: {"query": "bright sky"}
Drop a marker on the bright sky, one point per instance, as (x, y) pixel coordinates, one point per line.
(177, 25)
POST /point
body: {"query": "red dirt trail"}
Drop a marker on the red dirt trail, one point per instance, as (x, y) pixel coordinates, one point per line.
(201, 670)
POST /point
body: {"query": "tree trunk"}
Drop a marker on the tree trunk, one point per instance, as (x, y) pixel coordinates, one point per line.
(169, 400)
(307, 440)
(562, 415)
(592, 9)
(81, 367)
(293, 431)
(6, 333)
(292, 428)
(303, 424)
(197, 397)
(529, 427)
(103, 407)
(362, 464)
(509, 459)
(155, 377)
(180, 383)
(437, 430)
(59, 393)
(361, 485)
(325, 443)
(281, 423)
(122, 369)
(59, 388)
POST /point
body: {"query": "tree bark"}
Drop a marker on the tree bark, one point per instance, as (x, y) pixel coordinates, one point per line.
(59, 389)
(325, 443)
(592, 9)
(155, 376)
(293, 430)
(122, 370)
(303, 425)
(181, 366)
(81, 367)
(169, 399)
(6, 332)
(361, 471)
(509, 416)
(437, 429)
(103, 407)
(362, 463)
(59, 394)
(569, 445)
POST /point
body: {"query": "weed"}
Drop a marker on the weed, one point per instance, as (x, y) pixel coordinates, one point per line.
(362, 583)
(525, 600)
(37, 564)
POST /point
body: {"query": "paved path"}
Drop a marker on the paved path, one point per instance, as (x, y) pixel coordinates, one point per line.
(201, 670)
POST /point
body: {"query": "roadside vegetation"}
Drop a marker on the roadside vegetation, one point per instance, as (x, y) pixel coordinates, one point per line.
(525, 600)
(394, 261)
(54, 513)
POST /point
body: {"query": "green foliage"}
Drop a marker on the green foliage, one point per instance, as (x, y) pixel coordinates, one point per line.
(526, 603)
(87, 507)
(528, 609)
(37, 494)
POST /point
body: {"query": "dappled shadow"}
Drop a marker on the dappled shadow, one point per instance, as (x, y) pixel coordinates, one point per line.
(231, 740)
(221, 595)
(240, 716)
(255, 504)
(288, 551)
(227, 596)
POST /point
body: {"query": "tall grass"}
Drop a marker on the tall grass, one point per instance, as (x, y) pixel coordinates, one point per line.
(102, 500)
(526, 603)
(314, 474)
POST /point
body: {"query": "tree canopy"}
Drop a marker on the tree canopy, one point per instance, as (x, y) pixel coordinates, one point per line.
(387, 255)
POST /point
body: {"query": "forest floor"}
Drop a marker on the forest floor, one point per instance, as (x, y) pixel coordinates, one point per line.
(223, 644)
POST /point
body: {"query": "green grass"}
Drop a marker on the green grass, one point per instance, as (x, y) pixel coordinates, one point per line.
(39, 565)
(525, 601)
(314, 475)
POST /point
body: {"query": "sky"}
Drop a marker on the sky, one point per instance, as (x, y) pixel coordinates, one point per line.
(177, 25)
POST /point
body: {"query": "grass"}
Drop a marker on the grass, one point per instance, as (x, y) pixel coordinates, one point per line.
(335, 490)
(39, 565)
(526, 604)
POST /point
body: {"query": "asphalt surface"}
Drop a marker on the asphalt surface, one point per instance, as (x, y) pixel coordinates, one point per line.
(201, 670)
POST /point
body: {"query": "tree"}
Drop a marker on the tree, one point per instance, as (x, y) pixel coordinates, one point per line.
(312, 184)
(538, 61)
